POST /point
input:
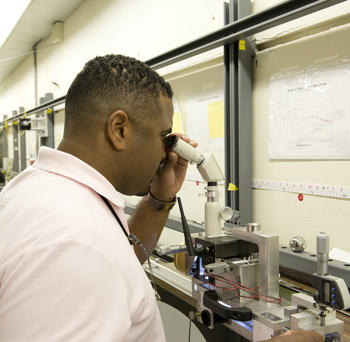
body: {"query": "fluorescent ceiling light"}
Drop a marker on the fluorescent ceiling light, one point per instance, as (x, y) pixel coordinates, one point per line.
(10, 12)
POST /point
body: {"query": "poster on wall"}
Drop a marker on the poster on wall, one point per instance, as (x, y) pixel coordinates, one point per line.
(177, 118)
(309, 114)
(205, 122)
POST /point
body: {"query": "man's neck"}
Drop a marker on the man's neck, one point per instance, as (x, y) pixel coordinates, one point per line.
(89, 155)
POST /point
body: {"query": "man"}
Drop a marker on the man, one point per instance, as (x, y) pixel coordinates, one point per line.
(67, 269)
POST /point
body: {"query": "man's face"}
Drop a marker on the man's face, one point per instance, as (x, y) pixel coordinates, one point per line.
(149, 150)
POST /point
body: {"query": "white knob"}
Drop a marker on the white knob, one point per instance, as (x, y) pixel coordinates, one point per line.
(226, 213)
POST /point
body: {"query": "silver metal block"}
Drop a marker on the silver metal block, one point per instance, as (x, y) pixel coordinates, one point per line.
(301, 299)
(290, 310)
(268, 259)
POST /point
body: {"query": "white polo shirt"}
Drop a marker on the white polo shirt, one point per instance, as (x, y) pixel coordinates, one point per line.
(67, 271)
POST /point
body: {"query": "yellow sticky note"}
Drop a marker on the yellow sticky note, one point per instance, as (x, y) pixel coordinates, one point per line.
(177, 123)
(232, 187)
(216, 119)
(241, 44)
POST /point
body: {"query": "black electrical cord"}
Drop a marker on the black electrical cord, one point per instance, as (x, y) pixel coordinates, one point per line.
(189, 330)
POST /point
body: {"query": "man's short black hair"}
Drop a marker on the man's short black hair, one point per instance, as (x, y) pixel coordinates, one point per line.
(109, 83)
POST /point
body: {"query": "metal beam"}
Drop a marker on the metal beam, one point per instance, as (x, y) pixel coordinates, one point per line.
(240, 29)
(245, 27)
(231, 97)
(307, 263)
(238, 113)
(172, 223)
(244, 120)
(43, 106)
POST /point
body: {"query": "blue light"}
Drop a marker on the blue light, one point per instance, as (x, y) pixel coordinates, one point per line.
(247, 324)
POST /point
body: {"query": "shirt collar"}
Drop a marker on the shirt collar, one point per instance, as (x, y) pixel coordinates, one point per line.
(69, 166)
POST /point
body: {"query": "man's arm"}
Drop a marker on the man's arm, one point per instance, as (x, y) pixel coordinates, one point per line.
(147, 223)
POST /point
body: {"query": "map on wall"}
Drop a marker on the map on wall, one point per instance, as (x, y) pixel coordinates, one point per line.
(309, 114)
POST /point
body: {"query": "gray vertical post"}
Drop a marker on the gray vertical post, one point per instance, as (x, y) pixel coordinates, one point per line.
(49, 140)
(22, 141)
(2, 171)
(23, 144)
(245, 122)
(231, 198)
(5, 132)
(40, 139)
(50, 123)
(15, 165)
(4, 152)
(2, 133)
(48, 97)
(1, 148)
(238, 119)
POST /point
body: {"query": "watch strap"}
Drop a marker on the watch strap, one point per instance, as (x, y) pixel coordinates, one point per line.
(158, 205)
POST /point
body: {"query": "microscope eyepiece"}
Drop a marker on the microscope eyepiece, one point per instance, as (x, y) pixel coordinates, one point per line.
(170, 141)
(183, 149)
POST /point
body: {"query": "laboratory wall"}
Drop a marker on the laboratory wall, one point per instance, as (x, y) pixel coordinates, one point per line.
(284, 212)
(144, 29)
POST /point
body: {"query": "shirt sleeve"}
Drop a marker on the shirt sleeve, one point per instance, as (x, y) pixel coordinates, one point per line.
(66, 292)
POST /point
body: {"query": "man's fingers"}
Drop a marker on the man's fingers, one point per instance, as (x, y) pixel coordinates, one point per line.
(193, 143)
(170, 161)
(187, 139)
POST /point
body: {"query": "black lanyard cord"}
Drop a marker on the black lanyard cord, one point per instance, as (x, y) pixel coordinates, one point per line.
(133, 240)
(118, 220)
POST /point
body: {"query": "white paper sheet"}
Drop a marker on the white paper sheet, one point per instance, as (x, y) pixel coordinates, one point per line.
(339, 254)
(309, 114)
(199, 111)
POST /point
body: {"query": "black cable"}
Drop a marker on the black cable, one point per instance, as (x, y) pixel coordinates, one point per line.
(189, 331)
(133, 240)
(117, 218)
(188, 240)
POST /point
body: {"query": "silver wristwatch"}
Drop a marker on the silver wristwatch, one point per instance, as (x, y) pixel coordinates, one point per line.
(158, 205)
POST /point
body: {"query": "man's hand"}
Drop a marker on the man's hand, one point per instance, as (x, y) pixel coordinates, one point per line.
(171, 175)
(147, 223)
(299, 336)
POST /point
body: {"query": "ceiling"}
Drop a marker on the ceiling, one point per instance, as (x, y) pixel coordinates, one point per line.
(35, 24)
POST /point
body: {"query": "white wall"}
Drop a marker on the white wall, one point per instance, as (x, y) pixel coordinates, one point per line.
(144, 29)
(18, 88)
(281, 212)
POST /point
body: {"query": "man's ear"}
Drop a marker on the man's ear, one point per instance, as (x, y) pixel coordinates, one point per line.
(118, 126)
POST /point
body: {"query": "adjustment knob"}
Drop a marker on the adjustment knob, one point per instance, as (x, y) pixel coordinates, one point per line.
(226, 213)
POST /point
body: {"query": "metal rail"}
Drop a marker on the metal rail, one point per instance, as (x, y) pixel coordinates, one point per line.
(46, 105)
(242, 28)
(245, 27)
